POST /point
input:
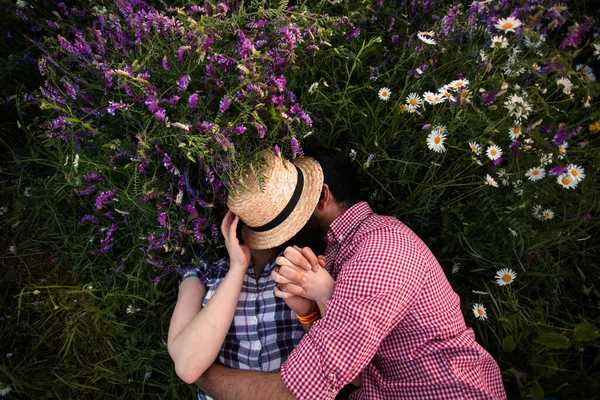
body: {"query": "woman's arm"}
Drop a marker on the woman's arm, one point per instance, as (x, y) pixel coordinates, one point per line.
(196, 334)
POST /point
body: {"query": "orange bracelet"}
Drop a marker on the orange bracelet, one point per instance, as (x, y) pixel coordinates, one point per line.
(310, 318)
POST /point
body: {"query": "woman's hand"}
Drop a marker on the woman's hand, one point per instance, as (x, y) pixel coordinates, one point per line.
(239, 255)
(294, 278)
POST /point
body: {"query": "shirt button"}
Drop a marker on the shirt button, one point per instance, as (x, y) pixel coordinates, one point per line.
(253, 320)
(256, 346)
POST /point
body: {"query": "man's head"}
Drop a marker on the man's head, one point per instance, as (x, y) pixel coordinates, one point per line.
(340, 188)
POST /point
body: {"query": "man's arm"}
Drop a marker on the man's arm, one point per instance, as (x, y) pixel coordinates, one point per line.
(225, 383)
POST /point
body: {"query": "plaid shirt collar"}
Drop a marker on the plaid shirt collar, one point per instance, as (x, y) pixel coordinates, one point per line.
(348, 221)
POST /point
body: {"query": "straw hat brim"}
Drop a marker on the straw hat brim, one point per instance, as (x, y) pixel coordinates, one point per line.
(313, 185)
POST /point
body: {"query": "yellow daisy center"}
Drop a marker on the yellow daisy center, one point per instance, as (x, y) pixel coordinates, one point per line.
(507, 278)
(559, 8)
(464, 95)
(459, 84)
(507, 25)
(586, 78)
(493, 152)
(480, 311)
(574, 172)
(437, 140)
(517, 130)
(535, 172)
(384, 93)
(474, 148)
(527, 148)
(566, 181)
(413, 102)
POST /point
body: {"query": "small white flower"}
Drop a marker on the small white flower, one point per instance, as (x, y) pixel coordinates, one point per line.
(313, 87)
(546, 159)
(12, 249)
(179, 197)
(494, 152)
(436, 139)
(384, 94)
(479, 311)
(577, 172)
(499, 42)
(566, 84)
(21, 4)
(513, 232)
(535, 174)
(76, 162)
(3, 210)
(66, 160)
(456, 267)
(515, 132)
(566, 181)
(475, 147)
(597, 50)
(489, 180)
(508, 24)
(458, 84)
(26, 192)
(4, 389)
(548, 213)
(426, 37)
(536, 211)
(505, 276)
(414, 100)
(562, 150)
(517, 107)
(352, 154)
(148, 375)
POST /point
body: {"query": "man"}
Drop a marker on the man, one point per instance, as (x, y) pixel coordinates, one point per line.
(392, 319)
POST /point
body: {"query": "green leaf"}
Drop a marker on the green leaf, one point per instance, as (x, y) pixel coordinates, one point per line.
(586, 332)
(553, 340)
(508, 344)
(543, 366)
(536, 391)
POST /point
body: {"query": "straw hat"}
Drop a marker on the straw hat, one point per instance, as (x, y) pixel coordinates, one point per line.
(275, 208)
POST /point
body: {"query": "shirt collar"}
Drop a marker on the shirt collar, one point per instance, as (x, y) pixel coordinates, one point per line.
(348, 220)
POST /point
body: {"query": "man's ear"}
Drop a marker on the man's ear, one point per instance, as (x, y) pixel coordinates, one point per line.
(325, 197)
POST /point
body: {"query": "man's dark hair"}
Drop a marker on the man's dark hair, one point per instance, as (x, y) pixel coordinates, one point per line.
(340, 175)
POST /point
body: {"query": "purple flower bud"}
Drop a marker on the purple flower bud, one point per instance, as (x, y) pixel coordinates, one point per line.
(296, 149)
(162, 219)
(165, 63)
(85, 192)
(193, 101)
(426, 127)
(224, 104)
(89, 218)
(183, 82)
(558, 170)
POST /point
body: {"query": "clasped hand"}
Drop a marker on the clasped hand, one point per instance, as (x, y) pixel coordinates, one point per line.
(302, 273)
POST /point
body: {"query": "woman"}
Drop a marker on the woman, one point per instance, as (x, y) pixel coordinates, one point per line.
(234, 316)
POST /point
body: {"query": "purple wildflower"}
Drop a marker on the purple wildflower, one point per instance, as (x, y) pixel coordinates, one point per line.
(104, 198)
(89, 218)
(261, 131)
(353, 35)
(558, 170)
(488, 98)
(183, 82)
(240, 129)
(277, 150)
(224, 104)
(182, 52)
(426, 127)
(165, 63)
(114, 106)
(576, 33)
(193, 101)
(85, 192)
(162, 219)
(296, 149)
(214, 233)
(107, 242)
(169, 165)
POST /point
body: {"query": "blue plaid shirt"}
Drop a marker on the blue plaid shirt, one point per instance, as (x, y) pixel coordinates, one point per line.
(264, 330)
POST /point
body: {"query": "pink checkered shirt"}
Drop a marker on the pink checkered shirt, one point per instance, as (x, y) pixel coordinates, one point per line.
(394, 318)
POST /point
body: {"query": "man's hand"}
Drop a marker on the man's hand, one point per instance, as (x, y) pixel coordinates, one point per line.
(295, 279)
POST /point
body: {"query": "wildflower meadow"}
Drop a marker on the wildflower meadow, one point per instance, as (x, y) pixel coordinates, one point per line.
(127, 122)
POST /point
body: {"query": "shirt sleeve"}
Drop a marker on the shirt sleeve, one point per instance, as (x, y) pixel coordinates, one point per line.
(374, 291)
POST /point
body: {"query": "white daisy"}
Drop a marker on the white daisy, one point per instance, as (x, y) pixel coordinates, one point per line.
(499, 42)
(459, 83)
(535, 67)
(426, 37)
(430, 97)
(456, 267)
(597, 50)
(566, 181)
(505, 276)
(411, 109)
(414, 100)
(489, 180)
(4, 389)
(435, 141)
(566, 84)
(76, 162)
(535, 174)
(548, 213)
(384, 94)
(508, 24)
(577, 172)
(546, 159)
(518, 107)
(559, 8)
(479, 311)
(515, 132)
(494, 152)
(313, 87)
(475, 147)
(587, 103)
(537, 211)
(179, 197)
(562, 150)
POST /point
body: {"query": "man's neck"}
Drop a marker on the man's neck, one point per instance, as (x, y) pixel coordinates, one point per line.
(260, 259)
